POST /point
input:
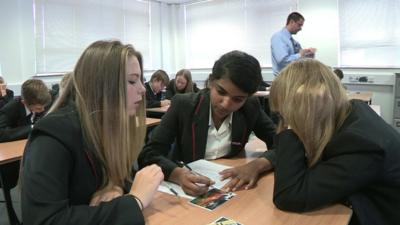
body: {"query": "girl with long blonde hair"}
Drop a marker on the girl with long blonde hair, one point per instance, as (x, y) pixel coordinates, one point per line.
(78, 162)
(330, 149)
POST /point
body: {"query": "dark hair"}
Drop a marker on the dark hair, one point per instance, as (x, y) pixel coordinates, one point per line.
(295, 16)
(339, 73)
(241, 68)
(160, 75)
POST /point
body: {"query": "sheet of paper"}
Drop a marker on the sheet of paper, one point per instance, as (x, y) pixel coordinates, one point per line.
(203, 167)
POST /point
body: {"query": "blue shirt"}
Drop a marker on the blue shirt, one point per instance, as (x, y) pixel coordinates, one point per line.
(284, 49)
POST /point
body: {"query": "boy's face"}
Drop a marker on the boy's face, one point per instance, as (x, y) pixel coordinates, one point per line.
(157, 86)
(36, 108)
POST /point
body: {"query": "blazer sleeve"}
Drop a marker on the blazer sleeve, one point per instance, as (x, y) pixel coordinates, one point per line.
(45, 191)
(152, 101)
(9, 133)
(353, 163)
(170, 90)
(8, 97)
(265, 130)
(159, 146)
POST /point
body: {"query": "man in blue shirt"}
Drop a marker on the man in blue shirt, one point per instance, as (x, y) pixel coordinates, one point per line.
(284, 49)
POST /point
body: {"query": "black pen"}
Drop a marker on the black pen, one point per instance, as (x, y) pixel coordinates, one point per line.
(172, 190)
(183, 164)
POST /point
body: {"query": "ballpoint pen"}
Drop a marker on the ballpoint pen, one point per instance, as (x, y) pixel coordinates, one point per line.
(183, 164)
(171, 189)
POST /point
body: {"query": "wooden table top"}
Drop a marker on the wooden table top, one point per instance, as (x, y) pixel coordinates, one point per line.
(152, 121)
(158, 109)
(252, 206)
(11, 151)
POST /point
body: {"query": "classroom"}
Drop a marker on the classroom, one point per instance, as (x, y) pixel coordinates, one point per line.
(43, 39)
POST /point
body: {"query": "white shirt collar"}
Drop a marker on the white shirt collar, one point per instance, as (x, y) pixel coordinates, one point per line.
(211, 121)
(27, 110)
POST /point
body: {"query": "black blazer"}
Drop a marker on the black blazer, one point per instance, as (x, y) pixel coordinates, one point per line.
(152, 100)
(7, 98)
(60, 176)
(14, 123)
(171, 91)
(186, 122)
(360, 165)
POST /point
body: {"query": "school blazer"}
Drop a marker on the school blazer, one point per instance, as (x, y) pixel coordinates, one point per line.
(14, 124)
(359, 165)
(186, 124)
(7, 98)
(152, 100)
(60, 176)
(171, 89)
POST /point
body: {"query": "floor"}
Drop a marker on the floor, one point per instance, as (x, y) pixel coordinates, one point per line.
(15, 196)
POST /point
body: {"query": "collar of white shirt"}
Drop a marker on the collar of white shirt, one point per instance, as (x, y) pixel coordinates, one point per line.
(218, 141)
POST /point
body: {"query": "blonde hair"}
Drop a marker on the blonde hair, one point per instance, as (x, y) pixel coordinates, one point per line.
(64, 81)
(188, 76)
(309, 97)
(98, 87)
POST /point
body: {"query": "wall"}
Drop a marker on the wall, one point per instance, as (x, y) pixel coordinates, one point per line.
(17, 46)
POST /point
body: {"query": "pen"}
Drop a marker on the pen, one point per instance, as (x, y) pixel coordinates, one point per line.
(183, 164)
(172, 190)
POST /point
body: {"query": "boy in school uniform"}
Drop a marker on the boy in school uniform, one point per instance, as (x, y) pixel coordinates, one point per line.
(158, 81)
(19, 115)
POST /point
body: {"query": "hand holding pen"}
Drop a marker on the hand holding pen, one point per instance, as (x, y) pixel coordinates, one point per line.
(191, 182)
(182, 164)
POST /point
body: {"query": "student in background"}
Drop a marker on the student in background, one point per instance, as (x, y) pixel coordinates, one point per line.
(284, 49)
(19, 115)
(154, 88)
(57, 88)
(78, 160)
(339, 73)
(330, 149)
(6, 94)
(213, 123)
(182, 83)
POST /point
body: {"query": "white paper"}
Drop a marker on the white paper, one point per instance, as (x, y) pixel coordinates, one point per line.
(203, 167)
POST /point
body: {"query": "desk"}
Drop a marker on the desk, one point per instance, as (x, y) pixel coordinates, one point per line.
(158, 109)
(252, 206)
(364, 96)
(11, 151)
(10, 154)
(152, 121)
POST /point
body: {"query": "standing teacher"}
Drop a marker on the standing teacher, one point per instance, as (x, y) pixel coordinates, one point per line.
(284, 49)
